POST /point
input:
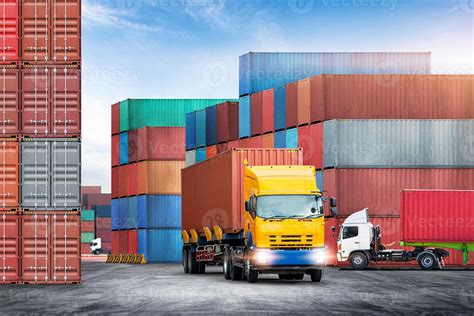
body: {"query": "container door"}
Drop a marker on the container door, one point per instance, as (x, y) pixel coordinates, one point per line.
(35, 248)
(9, 248)
(9, 175)
(35, 180)
(9, 101)
(9, 28)
(66, 174)
(35, 101)
(66, 30)
(35, 30)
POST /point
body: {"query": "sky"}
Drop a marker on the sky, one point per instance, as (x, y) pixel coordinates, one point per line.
(172, 48)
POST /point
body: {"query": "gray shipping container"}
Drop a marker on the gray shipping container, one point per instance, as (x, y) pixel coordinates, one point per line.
(50, 174)
(399, 144)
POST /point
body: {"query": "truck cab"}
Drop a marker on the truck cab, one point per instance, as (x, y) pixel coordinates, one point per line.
(96, 246)
(355, 235)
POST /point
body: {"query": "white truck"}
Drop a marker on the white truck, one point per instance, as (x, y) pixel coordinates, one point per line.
(96, 247)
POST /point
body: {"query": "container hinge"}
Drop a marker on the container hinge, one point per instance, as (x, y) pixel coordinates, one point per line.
(66, 121)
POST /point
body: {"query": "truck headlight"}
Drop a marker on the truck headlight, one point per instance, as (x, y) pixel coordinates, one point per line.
(320, 257)
(262, 257)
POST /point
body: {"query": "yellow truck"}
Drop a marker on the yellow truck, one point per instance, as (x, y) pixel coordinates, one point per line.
(270, 211)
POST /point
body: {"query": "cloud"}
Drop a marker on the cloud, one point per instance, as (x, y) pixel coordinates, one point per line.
(212, 13)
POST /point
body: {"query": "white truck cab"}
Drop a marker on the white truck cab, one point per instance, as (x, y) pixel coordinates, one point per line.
(356, 234)
(96, 246)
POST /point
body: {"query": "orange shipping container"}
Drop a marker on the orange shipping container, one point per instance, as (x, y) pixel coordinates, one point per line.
(9, 175)
(132, 183)
(160, 177)
(303, 100)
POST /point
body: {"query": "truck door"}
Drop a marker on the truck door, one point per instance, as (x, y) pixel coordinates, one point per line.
(349, 240)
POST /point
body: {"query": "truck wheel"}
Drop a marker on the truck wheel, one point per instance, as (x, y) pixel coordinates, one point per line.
(226, 265)
(235, 272)
(253, 276)
(193, 265)
(316, 275)
(185, 261)
(358, 261)
(427, 261)
(202, 267)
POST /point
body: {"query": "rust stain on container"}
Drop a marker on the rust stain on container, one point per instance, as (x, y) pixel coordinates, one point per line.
(160, 177)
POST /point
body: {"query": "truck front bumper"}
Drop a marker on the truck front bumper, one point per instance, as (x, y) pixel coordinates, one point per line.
(288, 260)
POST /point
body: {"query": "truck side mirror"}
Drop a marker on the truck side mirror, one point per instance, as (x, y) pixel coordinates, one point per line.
(333, 202)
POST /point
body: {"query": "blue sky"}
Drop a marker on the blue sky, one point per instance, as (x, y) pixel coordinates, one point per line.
(169, 48)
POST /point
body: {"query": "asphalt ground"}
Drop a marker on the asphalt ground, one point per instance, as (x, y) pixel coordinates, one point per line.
(165, 289)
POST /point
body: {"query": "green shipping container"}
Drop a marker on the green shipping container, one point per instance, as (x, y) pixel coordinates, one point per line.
(138, 113)
(88, 215)
(87, 237)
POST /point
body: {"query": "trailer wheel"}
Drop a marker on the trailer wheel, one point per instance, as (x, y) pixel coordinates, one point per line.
(427, 261)
(193, 265)
(358, 261)
(185, 261)
(226, 264)
(316, 275)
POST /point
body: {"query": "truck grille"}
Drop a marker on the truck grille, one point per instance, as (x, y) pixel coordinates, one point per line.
(291, 241)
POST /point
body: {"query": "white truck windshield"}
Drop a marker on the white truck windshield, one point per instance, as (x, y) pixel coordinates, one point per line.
(289, 206)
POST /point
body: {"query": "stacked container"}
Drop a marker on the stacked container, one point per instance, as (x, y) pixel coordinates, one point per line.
(148, 153)
(40, 140)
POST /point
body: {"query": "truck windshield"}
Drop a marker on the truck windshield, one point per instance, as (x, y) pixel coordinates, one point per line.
(289, 206)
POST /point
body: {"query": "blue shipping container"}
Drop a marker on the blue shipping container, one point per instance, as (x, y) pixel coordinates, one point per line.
(123, 148)
(116, 220)
(261, 71)
(123, 213)
(280, 139)
(291, 138)
(132, 219)
(319, 180)
(191, 131)
(211, 126)
(160, 245)
(201, 128)
(200, 154)
(279, 119)
(159, 211)
(244, 117)
(102, 210)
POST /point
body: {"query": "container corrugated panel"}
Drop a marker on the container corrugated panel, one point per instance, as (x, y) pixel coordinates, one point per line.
(102, 210)
(91, 189)
(379, 189)
(291, 138)
(124, 148)
(66, 31)
(201, 129)
(292, 105)
(227, 121)
(123, 210)
(233, 144)
(115, 179)
(303, 101)
(88, 226)
(132, 216)
(398, 143)
(51, 247)
(280, 139)
(200, 154)
(158, 143)
(99, 199)
(244, 117)
(65, 174)
(9, 101)
(35, 98)
(87, 237)
(437, 216)
(138, 113)
(159, 211)
(123, 241)
(9, 248)
(133, 242)
(123, 180)
(280, 109)
(256, 142)
(268, 105)
(310, 138)
(191, 131)
(160, 177)
(9, 175)
(213, 190)
(105, 235)
(256, 113)
(132, 145)
(190, 158)
(115, 118)
(115, 212)
(211, 151)
(160, 245)
(244, 143)
(392, 97)
(115, 150)
(261, 71)
(221, 148)
(211, 126)
(132, 183)
(35, 31)
(87, 215)
(10, 30)
(103, 223)
(116, 242)
(268, 140)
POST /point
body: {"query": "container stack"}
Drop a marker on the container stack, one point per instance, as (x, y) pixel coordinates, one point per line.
(372, 124)
(40, 141)
(148, 153)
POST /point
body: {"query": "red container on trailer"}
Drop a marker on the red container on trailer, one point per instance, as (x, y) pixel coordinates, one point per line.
(310, 138)
(116, 242)
(227, 121)
(116, 118)
(9, 248)
(212, 191)
(51, 247)
(268, 105)
(123, 241)
(159, 143)
(256, 142)
(9, 174)
(268, 141)
(292, 105)
(115, 150)
(256, 114)
(133, 242)
(10, 30)
(10, 101)
(115, 182)
(304, 107)
(379, 189)
(211, 151)
(132, 182)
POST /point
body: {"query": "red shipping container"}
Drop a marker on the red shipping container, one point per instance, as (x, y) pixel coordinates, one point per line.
(227, 121)
(213, 190)
(99, 199)
(66, 31)
(104, 234)
(116, 118)
(291, 105)
(51, 247)
(392, 97)
(132, 145)
(85, 249)
(123, 241)
(256, 142)
(51, 101)
(10, 101)
(9, 11)
(115, 183)
(310, 138)
(103, 223)
(9, 248)
(91, 189)
(211, 151)
(36, 30)
(115, 148)
(116, 242)
(9, 175)
(268, 105)
(330, 240)
(379, 189)
(304, 111)
(106, 247)
(244, 143)
(123, 181)
(158, 143)
(256, 114)
(233, 144)
(268, 141)
(133, 242)
(222, 147)
(437, 216)
(132, 182)
(87, 226)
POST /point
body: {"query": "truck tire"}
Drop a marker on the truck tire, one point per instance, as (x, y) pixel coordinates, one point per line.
(316, 275)
(193, 265)
(235, 272)
(359, 261)
(185, 261)
(226, 264)
(427, 261)
(253, 276)
(202, 267)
